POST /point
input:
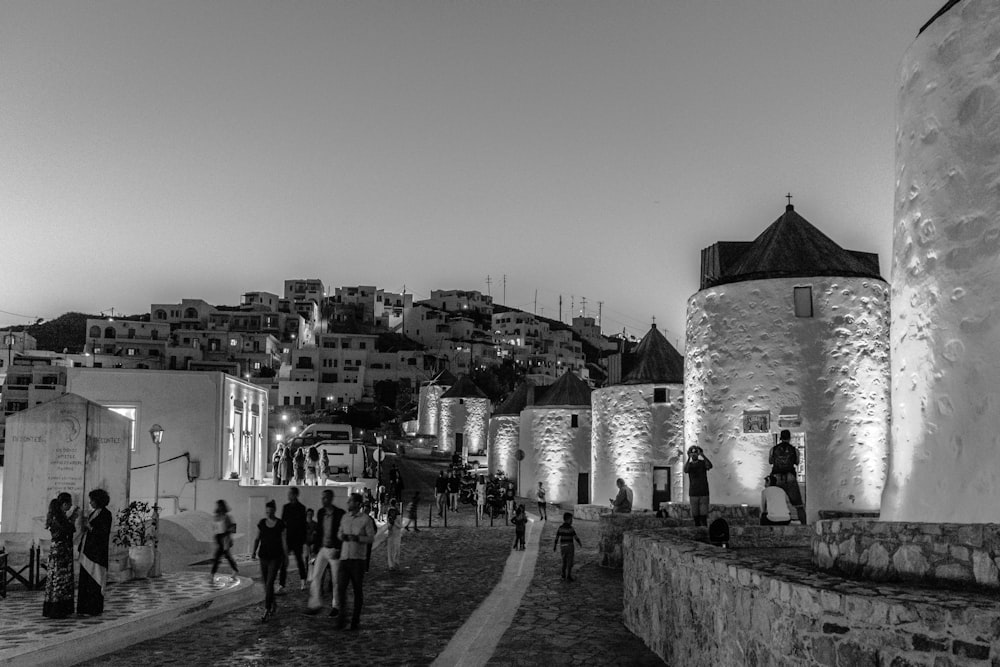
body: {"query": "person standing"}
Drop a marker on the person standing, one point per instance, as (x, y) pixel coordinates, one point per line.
(541, 502)
(276, 463)
(312, 463)
(394, 535)
(270, 548)
(324, 465)
(565, 535)
(441, 492)
(293, 516)
(697, 468)
(508, 499)
(775, 509)
(223, 529)
(94, 555)
(783, 459)
(454, 490)
(520, 520)
(622, 503)
(326, 549)
(411, 513)
(60, 521)
(355, 534)
(300, 466)
(287, 466)
(480, 496)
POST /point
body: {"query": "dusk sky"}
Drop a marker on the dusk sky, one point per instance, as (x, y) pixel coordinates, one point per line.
(154, 151)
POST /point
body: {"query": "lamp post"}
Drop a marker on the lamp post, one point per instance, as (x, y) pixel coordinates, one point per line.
(156, 433)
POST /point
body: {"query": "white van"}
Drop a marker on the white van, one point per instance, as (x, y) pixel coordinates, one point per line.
(347, 460)
(337, 432)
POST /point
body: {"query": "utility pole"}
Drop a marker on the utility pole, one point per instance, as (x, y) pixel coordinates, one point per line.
(505, 289)
(560, 307)
(535, 309)
(600, 307)
(583, 305)
(488, 283)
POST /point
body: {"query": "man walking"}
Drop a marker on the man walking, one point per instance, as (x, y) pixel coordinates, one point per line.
(441, 492)
(293, 514)
(454, 490)
(783, 459)
(697, 468)
(355, 534)
(541, 502)
(326, 547)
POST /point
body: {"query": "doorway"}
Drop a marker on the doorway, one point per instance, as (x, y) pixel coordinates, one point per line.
(661, 485)
(459, 444)
(583, 488)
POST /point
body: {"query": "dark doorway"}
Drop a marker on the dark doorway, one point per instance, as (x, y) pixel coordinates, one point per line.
(583, 488)
(459, 444)
(661, 485)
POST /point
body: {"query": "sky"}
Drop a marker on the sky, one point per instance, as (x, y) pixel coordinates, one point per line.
(528, 149)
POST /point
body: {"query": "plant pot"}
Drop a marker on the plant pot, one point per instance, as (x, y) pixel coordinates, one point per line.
(142, 560)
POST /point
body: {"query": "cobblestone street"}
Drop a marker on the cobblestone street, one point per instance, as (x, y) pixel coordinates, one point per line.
(410, 615)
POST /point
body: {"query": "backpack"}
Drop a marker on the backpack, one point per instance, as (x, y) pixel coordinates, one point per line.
(784, 457)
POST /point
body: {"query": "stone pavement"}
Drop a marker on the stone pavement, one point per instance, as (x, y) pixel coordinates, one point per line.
(411, 615)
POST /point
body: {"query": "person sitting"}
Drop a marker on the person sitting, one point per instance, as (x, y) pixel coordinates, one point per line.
(775, 507)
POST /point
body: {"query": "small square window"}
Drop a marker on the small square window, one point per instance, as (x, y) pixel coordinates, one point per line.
(659, 395)
(803, 297)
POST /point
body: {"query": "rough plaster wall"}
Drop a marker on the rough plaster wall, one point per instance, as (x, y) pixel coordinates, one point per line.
(945, 463)
(428, 409)
(747, 351)
(555, 452)
(470, 418)
(504, 440)
(629, 435)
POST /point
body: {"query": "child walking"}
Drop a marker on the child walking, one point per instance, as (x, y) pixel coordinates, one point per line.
(565, 536)
(520, 520)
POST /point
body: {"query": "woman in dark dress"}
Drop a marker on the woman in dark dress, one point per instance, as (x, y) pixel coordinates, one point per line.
(59, 583)
(270, 548)
(94, 555)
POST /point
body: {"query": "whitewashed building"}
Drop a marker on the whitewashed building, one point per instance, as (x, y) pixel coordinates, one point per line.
(555, 437)
(790, 331)
(638, 430)
(463, 419)
(505, 431)
(429, 403)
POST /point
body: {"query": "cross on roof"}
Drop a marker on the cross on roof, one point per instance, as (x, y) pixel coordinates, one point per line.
(789, 198)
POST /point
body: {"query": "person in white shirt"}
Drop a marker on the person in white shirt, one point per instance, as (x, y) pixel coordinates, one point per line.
(355, 534)
(775, 507)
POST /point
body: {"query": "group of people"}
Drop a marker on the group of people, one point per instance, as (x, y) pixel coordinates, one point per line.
(302, 466)
(62, 597)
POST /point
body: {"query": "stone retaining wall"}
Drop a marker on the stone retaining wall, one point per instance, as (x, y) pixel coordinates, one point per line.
(694, 604)
(899, 551)
(734, 514)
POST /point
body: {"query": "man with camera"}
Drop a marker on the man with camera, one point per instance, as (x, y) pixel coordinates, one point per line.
(697, 468)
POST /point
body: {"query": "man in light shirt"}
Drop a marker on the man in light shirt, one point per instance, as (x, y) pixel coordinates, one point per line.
(355, 535)
(775, 508)
(326, 549)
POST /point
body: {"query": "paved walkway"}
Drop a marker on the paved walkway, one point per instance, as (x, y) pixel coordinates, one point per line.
(425, 611)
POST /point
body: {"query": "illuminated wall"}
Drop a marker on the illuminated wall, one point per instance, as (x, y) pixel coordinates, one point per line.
(428, 409)
(747, 351)
(945, 462)
(555, 452)
(630, 435)
(504, 440)
(468, 416)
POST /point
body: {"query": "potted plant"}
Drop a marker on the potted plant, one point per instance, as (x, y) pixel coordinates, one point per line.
(135, 535)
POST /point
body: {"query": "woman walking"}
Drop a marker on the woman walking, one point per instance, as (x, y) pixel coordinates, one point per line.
(394, 535)
(94, 555)
(312, 462)
(270, 548)
(480, 496)
(60, 522)
(300, 466)
(223, 527)
(276, 463)
(287, 466)
(324, 466)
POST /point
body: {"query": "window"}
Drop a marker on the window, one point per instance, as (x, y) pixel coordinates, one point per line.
(154, 334)
(131, 333)
(574, 421)
(803, 298)
(95, 332)
(362, 345)
(129, 411)
(109, 332)
(660, 395)
(131, 352)
(160, 315)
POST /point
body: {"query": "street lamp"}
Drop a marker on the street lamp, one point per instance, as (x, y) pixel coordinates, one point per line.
(156, 433)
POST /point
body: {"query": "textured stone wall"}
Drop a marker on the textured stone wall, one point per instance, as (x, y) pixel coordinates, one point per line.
(946, 242)
(555, 451)
(429, 409)
(895, 551)
(747, 351)
(504, 441)
(468, 416)
(631, 434)
(698, 605)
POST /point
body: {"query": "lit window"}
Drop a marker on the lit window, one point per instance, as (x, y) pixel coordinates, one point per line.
(130, 412)
(803, 298)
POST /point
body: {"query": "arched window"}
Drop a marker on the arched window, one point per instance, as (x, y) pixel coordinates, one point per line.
(160, 315)
(109, 332)
(95, 332)
(190, 314)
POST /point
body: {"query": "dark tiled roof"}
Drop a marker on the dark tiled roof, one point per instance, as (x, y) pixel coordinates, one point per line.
(445, 378)
(656, 361)
(792, 248)
(567, 390)
(515, 403)
(464, 387)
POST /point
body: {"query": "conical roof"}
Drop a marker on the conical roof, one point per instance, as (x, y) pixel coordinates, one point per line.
(445, 378)
(515, 403)
(567, 390)
(793, 248)
(655, 361)
(464, 387)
